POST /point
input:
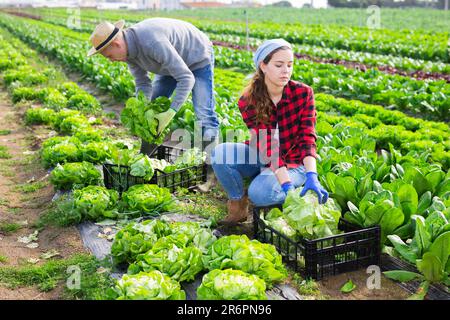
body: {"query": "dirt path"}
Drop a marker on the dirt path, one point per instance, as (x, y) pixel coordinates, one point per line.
(24, 195)
(388, 290)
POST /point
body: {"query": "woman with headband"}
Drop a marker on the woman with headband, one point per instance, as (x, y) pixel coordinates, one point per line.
(281, 153)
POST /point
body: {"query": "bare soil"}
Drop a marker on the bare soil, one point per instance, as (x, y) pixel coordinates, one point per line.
(25, 208)
(389, 290)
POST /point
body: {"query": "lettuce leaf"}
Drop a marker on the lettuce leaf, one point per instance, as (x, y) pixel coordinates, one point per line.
(231, 285)
(151, 285)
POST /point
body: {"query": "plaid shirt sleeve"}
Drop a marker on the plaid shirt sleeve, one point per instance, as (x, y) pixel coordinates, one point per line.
(260, 136)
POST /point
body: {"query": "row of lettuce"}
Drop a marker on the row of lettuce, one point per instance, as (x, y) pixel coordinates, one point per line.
(372, 134)
(408, 43)
(160, 254)
(369, 59)
(400, 191)
(237, 268)
(405, 63)
(82, 143)
(427, 99)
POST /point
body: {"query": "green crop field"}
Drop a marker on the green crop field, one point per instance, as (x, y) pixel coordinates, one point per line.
(71, 134)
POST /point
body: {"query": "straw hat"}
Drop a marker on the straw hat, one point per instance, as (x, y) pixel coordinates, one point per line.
(103, 34)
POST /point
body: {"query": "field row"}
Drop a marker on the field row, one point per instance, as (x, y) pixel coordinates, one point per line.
(377, 173)
(425, 98)
(423, 45)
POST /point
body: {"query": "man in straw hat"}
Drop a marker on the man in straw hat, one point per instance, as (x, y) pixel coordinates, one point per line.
(180, 56)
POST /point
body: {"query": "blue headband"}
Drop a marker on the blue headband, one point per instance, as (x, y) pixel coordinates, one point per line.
(266, 48)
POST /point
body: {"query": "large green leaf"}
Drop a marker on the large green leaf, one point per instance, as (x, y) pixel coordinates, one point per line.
(404, 250)
(331, 178)
(391, 220)
(421, 238)
(402, 275)
(406, 231)
(436, 224)
(441, 247)
(345, 191)
(424, 202)
(348, 287)
(354, 216)
(434, 179)
(376, 212)
(414, 175)
(443, 188)
(431, 267)
(408, 199)
(365, 185)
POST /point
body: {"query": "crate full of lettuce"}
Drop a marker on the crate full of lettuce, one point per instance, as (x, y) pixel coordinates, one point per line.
(314, 239)
(129, 168)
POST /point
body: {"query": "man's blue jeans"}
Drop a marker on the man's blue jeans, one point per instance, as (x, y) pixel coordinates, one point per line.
(202, 97)
(234, 161)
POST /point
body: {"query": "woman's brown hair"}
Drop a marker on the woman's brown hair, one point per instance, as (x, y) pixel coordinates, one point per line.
(256, 92)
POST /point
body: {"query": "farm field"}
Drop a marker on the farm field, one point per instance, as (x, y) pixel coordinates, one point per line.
(70, 138)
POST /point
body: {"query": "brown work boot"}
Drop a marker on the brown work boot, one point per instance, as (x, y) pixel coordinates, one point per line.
(237, 211)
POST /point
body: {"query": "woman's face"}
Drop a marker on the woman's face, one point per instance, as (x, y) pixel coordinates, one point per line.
(279, 69)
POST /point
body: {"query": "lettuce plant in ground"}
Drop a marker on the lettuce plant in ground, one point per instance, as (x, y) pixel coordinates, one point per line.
(25, 75)
(63, 114)
(145, 199)
(231, 284)
(73, 123)
(139, 117)
(95, 152)
(68, 89)
(151, 285)
(429, 251)
(96, 202)
(39, 116)
(171, 256)
(89, 134)
(53, 99)
(84, 102)
(24, 93)
(137, 238)
(254, 257)
(198, 236)
(59, 151)
(174, 248)
(392, 209)
(74, 174)
(382, 208)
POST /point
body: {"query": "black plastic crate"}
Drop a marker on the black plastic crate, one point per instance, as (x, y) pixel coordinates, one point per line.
(119, 178)
(354, 249)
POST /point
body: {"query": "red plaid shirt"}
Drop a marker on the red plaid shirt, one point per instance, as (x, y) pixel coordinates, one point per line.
(295, 115)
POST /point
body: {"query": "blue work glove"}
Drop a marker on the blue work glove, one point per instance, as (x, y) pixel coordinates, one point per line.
(312, 183)
(287, 186)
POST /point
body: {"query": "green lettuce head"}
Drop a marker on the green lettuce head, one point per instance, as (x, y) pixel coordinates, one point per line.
(231, 285)
(151, 285)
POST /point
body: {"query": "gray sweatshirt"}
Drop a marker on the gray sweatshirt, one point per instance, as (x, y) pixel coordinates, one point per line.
(166, 47)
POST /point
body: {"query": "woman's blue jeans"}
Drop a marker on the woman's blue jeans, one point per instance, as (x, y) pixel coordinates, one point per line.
(232, 162)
